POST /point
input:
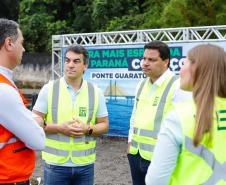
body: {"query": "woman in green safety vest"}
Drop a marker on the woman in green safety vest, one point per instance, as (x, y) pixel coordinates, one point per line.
(191, 144)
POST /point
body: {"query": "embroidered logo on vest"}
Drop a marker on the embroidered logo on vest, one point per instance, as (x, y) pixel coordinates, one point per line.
(155, 102)
(221, 119)
(82, 111)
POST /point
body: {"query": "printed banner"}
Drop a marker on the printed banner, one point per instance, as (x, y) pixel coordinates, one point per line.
(116, 70)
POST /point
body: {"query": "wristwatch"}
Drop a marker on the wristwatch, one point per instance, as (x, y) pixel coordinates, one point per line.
(90, 131)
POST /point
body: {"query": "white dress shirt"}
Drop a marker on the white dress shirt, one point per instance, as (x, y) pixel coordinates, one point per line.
(167, 150)
(15, 117)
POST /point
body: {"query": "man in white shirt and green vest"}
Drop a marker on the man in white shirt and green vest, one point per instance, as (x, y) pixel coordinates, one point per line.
(75, 113)
(153, 100)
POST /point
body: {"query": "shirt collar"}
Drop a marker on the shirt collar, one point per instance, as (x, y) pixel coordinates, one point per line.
(70, 87)
(7, 73)
(163, 77)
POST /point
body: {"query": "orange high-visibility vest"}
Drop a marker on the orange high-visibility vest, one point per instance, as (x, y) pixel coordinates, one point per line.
(16, 160)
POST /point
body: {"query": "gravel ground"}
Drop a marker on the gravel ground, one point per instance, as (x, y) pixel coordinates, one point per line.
(111, 167)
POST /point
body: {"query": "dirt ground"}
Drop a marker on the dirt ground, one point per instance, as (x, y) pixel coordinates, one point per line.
(111, 167)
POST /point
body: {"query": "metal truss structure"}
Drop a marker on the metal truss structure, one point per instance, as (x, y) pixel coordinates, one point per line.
(170, 35)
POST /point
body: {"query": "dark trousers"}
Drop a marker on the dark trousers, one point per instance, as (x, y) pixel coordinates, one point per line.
(138, 168)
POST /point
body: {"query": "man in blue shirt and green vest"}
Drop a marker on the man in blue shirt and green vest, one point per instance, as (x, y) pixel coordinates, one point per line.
(75, 113)
(153, 100)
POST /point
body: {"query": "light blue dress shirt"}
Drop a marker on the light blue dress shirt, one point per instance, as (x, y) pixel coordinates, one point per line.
(41, 105)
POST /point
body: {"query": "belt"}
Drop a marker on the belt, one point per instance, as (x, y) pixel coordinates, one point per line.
(17, 183)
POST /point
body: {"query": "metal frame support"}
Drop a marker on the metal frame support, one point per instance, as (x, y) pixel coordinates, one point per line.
(169, 35)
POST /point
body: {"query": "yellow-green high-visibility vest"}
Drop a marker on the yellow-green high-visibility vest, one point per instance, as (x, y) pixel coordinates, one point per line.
(206, 163)
(59, 147)
(148, 115)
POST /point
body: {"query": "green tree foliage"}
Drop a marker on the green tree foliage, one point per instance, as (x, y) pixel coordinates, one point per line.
(179, 13)
(220, 9)
(38, 23)
(40, 19)
(175, 14)
(80, 16)
(105, 11)
(145, 15)
(125, 23)
(152, 14)
(9, 9)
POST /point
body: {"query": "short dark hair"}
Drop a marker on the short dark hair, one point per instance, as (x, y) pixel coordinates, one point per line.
(163, 48)
(8, 28)
(79, 50)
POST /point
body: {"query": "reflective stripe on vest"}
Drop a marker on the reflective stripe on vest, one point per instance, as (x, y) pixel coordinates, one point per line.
(65, 153)
(16, 164)
(159, 113)
(139, 91)
(64, 138)
(55, 99)
(145, 147)
(219, 169)
(11, 140)
(55, 102)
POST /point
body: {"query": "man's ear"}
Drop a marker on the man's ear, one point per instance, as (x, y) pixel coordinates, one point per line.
(167, 61)
(86, 67)
(8, 44)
